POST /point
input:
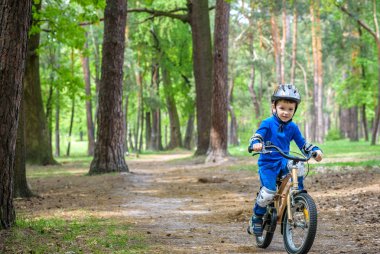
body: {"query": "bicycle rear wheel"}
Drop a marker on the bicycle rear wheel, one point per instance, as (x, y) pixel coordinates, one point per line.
(269, 226)
(299, 235)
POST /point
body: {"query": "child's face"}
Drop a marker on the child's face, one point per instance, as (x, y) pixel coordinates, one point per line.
(285, 110)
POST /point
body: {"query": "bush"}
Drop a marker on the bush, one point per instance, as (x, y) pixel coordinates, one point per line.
(334, 134)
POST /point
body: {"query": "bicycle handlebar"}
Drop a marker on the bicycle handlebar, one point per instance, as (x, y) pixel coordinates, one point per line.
(279, 150)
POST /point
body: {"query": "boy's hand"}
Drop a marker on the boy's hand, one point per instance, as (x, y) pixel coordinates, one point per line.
(318, 156)
(257, 147)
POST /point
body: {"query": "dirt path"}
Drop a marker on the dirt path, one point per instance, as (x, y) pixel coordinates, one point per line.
(205, 209)
(184, 206)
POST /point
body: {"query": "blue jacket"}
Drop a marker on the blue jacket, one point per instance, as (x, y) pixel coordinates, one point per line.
(279, 134)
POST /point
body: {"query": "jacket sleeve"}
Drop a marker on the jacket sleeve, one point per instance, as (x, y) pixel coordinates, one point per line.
(259, 135)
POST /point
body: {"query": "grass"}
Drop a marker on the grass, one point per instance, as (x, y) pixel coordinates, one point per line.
(331, 149)
(55, 235)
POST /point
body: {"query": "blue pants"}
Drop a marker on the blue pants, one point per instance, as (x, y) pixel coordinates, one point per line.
(268, 174)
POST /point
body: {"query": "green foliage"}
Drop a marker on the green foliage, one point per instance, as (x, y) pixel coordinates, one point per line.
(334, 134)
(89, 235)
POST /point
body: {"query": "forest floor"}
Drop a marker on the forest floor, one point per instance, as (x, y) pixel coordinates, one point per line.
(182, 205)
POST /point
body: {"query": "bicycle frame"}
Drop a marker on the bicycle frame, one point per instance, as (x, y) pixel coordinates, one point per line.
(283, 197)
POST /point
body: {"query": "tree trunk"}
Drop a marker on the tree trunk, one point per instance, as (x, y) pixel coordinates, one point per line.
(90, 123)
(175, 127)
(233, 138)
(353, 122)
(276, 47)
(283, 41)
(156, 143)
(109, 148)
(20, 187)
(97, 60)
(57, 134)
(219, 118)
(364, 121)
(202, 66)
(377, 116)
(38, 148)
(71, 126)
(126, 109)
(344, 117)
(14, 25)
(142, 127)
(251, 82)
(139, 81)
(294, 46)
(187, 143)
(318, 72)
(148, 129)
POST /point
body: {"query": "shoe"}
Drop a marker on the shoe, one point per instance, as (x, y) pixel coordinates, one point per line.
(255, 226)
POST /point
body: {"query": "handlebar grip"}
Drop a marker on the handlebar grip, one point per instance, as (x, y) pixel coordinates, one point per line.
(250, 150)
(314, 154)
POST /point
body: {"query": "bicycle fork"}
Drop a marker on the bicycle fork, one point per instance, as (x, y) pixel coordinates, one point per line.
(291, 193)
(286, 192)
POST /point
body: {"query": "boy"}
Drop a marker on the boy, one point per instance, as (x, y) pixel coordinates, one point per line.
(279, 130)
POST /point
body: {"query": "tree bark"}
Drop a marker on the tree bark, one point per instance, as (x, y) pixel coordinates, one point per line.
(202, 67)
(14, 25)
(71, 126)
(318, 72)
(251, 82)
(219, 118)
(89, 121)
(233, 137)
(283, 41)
(38, 147)
(20, 187)
(109, 148)
(187, 143)
(57, 133)
(294, 46)
(276, 47)
(175, 128)
(148, 129)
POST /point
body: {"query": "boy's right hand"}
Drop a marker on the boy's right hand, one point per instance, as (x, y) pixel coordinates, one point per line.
(257, 147)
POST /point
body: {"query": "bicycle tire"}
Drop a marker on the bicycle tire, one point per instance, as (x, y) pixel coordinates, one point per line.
(268, 230)
(304, 211)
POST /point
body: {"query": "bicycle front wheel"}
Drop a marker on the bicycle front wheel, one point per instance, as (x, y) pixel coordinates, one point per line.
(300, 233)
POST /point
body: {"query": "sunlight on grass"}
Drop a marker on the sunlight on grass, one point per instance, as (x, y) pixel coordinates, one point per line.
(90, 235)
(332, 149)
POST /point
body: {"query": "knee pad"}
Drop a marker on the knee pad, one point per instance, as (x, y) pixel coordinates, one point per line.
(265, 197)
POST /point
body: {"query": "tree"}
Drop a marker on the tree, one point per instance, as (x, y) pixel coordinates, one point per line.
(87, 81)
(37, 140)
(20, 184)
(198, 17)
(219, 120)
(376, 37)
(316, 33)
(109, 148)
(14, 26)
(202, 67)
(175, 128)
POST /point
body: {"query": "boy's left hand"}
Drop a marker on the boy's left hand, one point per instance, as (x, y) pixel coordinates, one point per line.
(319, 155)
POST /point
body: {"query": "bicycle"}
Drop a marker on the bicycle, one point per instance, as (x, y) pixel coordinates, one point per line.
(293, 209)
